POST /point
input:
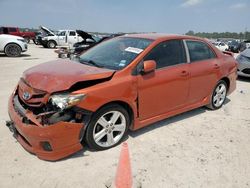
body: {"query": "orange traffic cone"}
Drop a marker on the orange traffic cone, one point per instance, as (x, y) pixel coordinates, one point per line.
(123, 177)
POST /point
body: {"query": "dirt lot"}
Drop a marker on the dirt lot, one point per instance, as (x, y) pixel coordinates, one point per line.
(200, 148)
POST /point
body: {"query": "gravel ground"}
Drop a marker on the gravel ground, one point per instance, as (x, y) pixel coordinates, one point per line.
(200, 148)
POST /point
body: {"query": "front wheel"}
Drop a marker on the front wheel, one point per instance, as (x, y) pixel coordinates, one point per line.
(51, 44)
(36, 42)
(107, 127)
(12, 50)
(219, 95)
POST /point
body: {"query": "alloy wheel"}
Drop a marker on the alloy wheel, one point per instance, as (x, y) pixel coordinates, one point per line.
(109, 129)
(13, 50)
(219, 95)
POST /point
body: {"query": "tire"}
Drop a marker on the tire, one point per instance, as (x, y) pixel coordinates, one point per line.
(36, 42)
(103, 132)
(219, 95)
(51, 44)
(12, 50)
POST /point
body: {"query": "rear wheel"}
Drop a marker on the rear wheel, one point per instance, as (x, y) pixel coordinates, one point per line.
(35, 41)
(219, 95)
(13, 50)
(107, 127)
(51, 44)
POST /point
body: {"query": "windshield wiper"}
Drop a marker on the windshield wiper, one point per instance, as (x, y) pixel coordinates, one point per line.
(90, 62)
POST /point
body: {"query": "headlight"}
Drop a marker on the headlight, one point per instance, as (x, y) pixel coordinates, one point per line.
(22, 40)
(64, 101)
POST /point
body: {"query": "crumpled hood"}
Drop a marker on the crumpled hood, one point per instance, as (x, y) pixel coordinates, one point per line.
(60, 75)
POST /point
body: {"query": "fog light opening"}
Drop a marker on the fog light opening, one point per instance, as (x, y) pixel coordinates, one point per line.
(46, 146)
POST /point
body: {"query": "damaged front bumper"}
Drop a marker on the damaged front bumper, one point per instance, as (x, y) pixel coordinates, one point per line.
(51, 142)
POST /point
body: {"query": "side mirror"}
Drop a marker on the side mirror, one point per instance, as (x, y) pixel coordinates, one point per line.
(149, 66)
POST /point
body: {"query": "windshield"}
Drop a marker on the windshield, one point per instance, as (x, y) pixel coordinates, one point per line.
(115, 53)
(233, 43)
(96, 38)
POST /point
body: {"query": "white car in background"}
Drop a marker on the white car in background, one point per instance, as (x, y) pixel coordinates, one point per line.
(12, 45)
(244, 63)
(247, 44)
(222, 46)
(62, 38)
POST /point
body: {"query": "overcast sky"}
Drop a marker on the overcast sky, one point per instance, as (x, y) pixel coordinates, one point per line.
(166, 16)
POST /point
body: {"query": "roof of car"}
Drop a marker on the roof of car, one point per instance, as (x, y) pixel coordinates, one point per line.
(156, 36)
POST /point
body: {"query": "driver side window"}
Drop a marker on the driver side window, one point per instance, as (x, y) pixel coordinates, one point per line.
(62, 33)
(167, 53)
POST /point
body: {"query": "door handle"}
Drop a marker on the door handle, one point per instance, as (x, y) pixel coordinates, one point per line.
(184, 73)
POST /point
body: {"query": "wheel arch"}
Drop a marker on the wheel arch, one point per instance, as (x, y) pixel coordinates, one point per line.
(226, 79)
(126, 106)
(123, 104)
(52, 40)
(12, 43)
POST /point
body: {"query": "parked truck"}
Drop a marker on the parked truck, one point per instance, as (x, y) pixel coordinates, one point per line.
(62, 38)
(27, 35)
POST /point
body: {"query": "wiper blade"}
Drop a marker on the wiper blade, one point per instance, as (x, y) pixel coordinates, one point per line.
(90, 62)
(94, 63)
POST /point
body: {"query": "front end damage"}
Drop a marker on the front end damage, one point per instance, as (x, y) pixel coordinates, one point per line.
(41, 127)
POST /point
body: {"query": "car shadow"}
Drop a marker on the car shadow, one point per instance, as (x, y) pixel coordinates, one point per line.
(171, 120)
(227, 100)
(47, 48)
(243, 79)
(168, 121)
(31, 58)
(22, 55)
(80, 153)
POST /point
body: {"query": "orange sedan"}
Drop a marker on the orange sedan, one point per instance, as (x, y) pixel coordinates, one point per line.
(124, 83)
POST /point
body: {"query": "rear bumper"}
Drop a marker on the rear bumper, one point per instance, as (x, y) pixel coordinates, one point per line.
(243, 74)
(232, 79)
(63, 137)
(244, 69)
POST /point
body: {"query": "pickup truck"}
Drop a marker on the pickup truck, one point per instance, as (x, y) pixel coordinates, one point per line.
(16, 31)
(63, 38)
(43, 32)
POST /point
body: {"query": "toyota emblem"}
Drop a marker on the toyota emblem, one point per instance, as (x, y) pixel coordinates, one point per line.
(26, 95)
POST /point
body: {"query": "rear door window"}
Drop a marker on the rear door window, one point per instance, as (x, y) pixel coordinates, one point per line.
(199, 51)
(72, 33)
(62, 33)
(12, 29)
